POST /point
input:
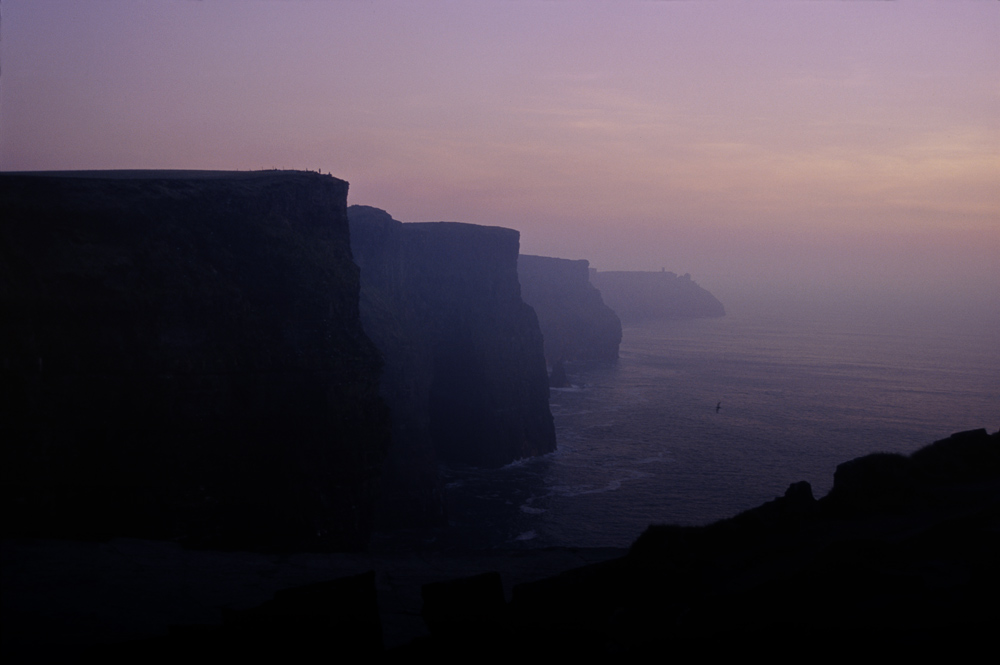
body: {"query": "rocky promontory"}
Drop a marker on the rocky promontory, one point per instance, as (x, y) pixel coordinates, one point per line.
(464, 366)
(575, 322)
(899, 558)
(638, 296)
(181, 357)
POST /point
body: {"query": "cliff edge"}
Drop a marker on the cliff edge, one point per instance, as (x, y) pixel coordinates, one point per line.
(182, 357)
(465, 372)
(576, 324)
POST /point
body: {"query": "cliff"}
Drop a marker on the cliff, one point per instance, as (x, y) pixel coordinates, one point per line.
(575, 322)
(900, 557)
(182, 357)
(651, 296)
(465, 373)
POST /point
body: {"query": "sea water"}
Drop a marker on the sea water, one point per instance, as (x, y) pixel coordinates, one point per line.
(701, 419)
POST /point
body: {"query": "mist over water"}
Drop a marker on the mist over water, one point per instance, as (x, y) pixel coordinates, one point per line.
(801, 389)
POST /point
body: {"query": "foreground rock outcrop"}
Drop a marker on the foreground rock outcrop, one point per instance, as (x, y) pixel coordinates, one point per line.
(900, 560)
(901, 556)
(181, 357)
(575, 322)
(653, 296)
(464, 367)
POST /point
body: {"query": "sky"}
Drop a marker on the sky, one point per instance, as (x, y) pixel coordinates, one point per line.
(800, 148)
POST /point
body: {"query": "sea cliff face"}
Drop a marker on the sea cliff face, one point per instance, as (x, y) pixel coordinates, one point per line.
(652, 296)
(182, 357)
(465, 372)
(575, 322)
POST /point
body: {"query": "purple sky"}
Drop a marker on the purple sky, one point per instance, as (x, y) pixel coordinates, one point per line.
(816, 146)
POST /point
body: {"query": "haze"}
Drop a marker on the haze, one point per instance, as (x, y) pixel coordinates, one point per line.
(812, 149)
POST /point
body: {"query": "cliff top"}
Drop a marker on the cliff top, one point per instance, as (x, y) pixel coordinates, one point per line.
(369, 214)
(463, 227)
(552, 260)
(165, 174)
(642, 274)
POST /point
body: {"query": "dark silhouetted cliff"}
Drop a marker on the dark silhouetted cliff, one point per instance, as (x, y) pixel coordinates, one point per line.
(181, 357)
(465, 373)
(652, 296)
(575, 322)
(900, 558)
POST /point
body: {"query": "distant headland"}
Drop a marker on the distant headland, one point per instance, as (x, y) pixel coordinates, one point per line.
(639, 297)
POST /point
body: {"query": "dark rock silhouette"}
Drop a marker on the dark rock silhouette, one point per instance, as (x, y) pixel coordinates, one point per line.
(888, 482)
(306, 624)
(901, 556)
(182, 357)
(576, 324)
(652, 296)
(917, 576)
(463, 612)
(464, 366)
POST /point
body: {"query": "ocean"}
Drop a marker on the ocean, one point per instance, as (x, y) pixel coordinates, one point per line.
(701, 419)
